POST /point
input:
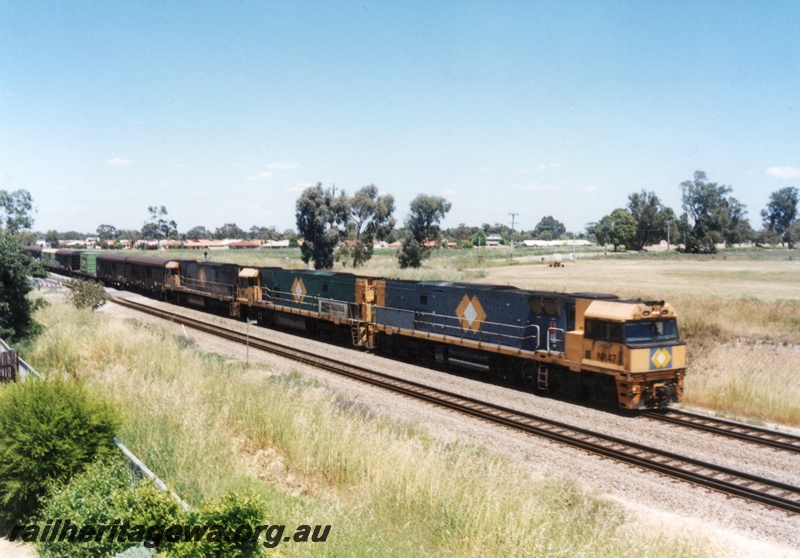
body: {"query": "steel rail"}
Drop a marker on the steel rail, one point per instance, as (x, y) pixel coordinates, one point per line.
(740, 431)
(751, 487)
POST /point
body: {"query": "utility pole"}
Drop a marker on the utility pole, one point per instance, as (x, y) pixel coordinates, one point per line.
(669, 224)
(513, 215)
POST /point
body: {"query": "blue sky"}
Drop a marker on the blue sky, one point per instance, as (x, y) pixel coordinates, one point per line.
(224, 111)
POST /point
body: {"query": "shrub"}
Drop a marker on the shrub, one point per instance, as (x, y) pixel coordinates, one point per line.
(230, 512)
(105, 494)
(87, 294)
(49, 431)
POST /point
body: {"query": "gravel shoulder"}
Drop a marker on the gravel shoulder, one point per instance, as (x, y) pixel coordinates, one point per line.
(652, 502)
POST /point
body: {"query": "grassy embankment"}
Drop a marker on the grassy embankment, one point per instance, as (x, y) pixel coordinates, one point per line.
(208, 425)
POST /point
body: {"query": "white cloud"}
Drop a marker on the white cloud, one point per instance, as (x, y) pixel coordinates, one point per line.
(783, 172)
(548, 166)
(282, 165)
(259, 177)
(119, 162)
(591, 188)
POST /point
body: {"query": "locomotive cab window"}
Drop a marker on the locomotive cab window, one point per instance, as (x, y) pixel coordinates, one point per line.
(603, 331)
(423, 299)
(650, 331)
(544, 306)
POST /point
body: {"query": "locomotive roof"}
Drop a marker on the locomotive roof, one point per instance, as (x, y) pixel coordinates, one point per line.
(210, 264)
(596, 296)
(133, 259)
(464, 285)
(144, 260)
(113, 257)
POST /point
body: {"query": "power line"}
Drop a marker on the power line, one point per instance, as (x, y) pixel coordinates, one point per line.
(513, 215)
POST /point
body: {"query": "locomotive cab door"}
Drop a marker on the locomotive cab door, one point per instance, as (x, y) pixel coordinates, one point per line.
(172, 276)
(249, 287)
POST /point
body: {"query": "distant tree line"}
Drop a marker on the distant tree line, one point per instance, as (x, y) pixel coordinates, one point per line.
(335, 227)
(711, 216)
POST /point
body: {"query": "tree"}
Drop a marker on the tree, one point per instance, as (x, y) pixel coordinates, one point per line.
(87, 294)
(717, 216)
(549, 229)
(265, 233)
(652, 218)
(229, 230)
(617, 229)
(107, 232)
(16, 310)
(15, 206)
(369, 219)
(197, 233)
(131, 235)
(150, 231)
(51, 238)
(781, 211)
(793, 233)
(157, 226)
(423, 226)
(321, 217)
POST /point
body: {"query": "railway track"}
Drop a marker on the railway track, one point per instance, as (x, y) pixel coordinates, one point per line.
(751, 487)
(728, 428)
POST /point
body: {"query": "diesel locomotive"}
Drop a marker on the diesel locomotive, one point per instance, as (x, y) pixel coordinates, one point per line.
(582, 345)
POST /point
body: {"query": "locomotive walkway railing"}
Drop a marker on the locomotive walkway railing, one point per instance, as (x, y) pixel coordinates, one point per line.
(491, 333)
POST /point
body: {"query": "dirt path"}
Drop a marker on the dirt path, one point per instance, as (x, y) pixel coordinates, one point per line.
(10, 549)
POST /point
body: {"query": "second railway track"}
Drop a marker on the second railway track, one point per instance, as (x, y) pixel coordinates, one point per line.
(751, 487)
(728, 428)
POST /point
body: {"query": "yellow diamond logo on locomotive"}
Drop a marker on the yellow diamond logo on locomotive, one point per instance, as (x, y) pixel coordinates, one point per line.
(660, 358)
(470, 313)
(298, 289)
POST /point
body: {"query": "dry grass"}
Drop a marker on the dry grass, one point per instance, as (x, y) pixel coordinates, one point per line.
(207, 425)
(752, 381)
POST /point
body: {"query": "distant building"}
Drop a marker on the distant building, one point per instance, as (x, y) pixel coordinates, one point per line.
(550, 243)
(275, 244)
(494, 240)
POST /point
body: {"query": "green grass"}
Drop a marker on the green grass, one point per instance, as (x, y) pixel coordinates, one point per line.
(208, 425)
